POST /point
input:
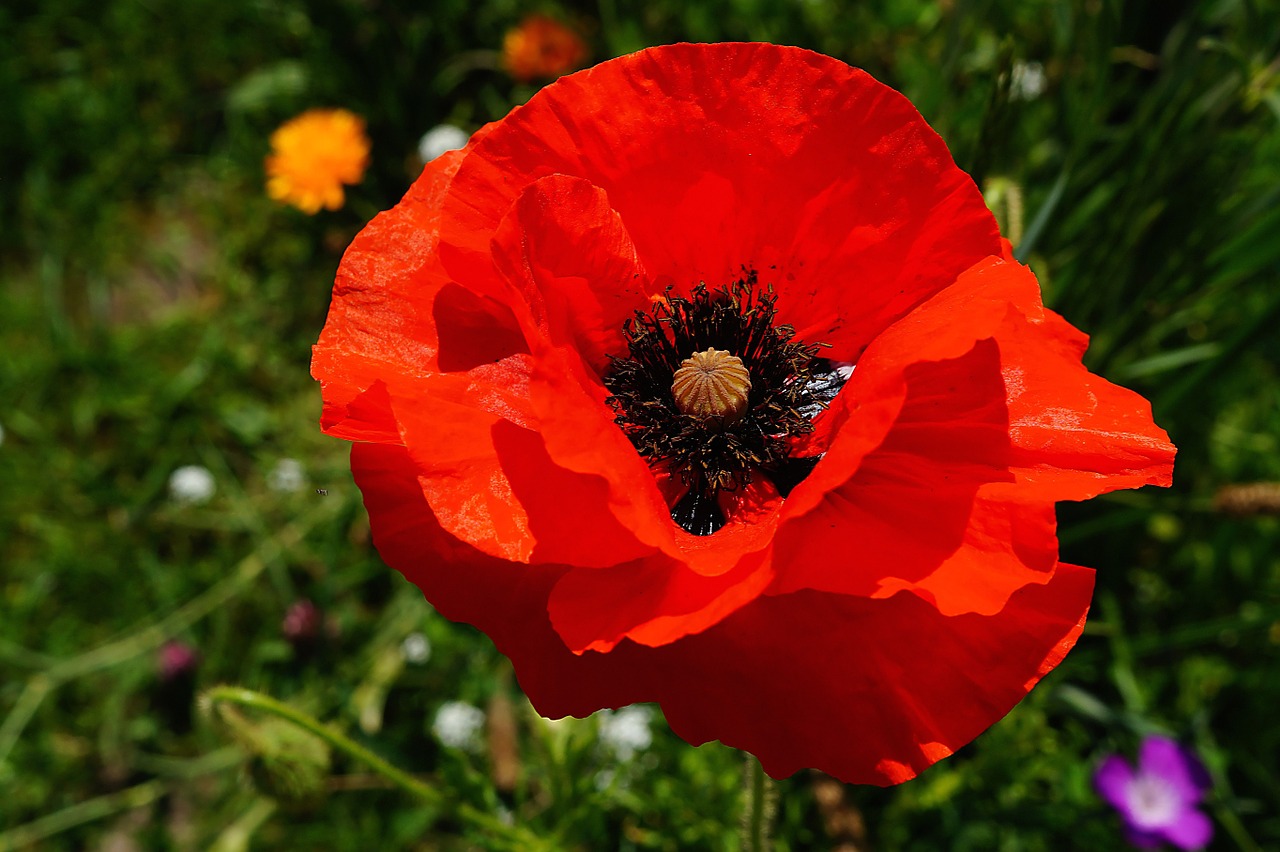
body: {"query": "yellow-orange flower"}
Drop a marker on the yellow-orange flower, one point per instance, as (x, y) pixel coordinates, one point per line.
(313, 155)
(541, 47)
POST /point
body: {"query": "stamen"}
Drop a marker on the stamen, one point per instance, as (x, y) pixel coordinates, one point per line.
(714, 389)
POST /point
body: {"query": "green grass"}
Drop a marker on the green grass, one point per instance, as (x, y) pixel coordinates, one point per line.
(156, 311)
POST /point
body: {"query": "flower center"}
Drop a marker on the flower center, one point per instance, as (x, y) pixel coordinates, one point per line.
(712, 389)
(1153, 802)
(713, 385)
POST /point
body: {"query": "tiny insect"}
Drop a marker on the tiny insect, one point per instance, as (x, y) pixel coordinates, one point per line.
(323, 492)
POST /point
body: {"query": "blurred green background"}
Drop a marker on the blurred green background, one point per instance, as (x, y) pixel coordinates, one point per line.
(157, 311)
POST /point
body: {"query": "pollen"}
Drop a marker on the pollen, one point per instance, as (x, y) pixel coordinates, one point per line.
(713, 385)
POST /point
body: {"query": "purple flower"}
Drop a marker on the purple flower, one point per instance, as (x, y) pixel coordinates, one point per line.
(302, 622)
(176, 659)
(1158, 801)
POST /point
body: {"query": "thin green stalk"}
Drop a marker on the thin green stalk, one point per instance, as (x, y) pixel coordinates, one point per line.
(113, 803)
(1230, 820)
(28, 702)
(236, 837)
(187, 768)
(94, 809)
(267, 704)
(758, 818)
(521, 838)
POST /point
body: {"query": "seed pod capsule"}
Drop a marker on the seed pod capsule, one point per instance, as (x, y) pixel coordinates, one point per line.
(712, 384)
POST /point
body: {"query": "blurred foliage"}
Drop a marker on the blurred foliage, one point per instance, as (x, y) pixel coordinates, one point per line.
(156, 311)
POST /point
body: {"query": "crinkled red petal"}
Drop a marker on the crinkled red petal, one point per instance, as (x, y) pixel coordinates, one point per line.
(763, 678)
(870, 691)
(573, 274)
(956, 502)
(717, 157)
(571, 267)
(907, 507)
(660, 600)
(505, 599)
(395, 316)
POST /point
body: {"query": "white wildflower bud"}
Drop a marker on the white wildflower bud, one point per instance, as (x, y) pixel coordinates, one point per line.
(441, 139)
(191, 484)
(458, 725)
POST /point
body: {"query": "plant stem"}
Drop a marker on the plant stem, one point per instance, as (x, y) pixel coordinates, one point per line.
(520, 838)
(67, 818)
(756, 825)
(343, 743)
(236, 837)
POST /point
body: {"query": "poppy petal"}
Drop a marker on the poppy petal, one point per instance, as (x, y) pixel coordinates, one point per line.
(967, 672)
(491, 484)
(762, 679)
(936, 537)
(395, 314)
(650, 602)
(568, 258)
(1075, 434)
(944, 329)
(574, 269)
(907, 507)
(854, 218)
(505, 599)
(658, 602)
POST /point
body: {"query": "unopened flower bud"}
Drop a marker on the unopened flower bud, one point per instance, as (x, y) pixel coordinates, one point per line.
(289, 763)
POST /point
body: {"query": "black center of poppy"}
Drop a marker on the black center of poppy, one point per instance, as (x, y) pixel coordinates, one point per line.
(788, 384)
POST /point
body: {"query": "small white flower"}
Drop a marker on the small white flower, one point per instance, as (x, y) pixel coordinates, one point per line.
(457, 725)
(440, 139)
(415, 649)
(287, 475)
(191, 484)
(626, 731)
(1028, 81)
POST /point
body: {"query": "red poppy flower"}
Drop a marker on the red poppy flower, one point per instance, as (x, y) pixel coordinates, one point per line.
(858, 576)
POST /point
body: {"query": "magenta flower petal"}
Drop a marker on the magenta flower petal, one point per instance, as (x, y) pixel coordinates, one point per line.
(1112, 782)
(1163, 758)
(1192, 830)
